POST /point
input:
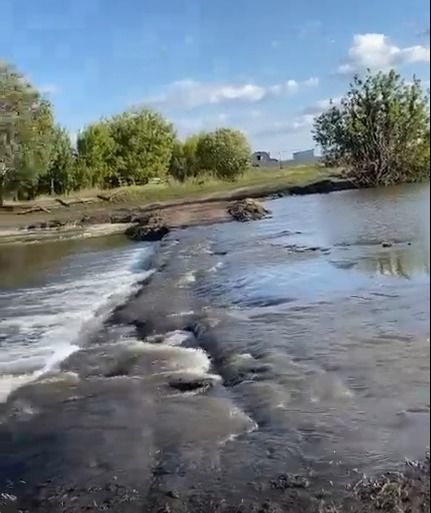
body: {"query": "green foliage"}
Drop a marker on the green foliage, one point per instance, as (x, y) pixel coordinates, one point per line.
(130, 148)
(184, 162)
(95, 147)
(58, 178)
(225, 153)
(178, 166)
(380, 132)
(143, 144)
(26, 125)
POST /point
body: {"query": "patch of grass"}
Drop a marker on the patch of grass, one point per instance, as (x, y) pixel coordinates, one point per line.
(252, 178)
(173, 190)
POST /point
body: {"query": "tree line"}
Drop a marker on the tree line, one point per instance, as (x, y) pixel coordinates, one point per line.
(37, 155)
(379, 133)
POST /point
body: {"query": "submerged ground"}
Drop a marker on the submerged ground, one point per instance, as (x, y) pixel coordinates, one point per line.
(259, 367)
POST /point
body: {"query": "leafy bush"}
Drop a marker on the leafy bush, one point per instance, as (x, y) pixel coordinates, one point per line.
(143, 145)
(225, 153)
(380, 132)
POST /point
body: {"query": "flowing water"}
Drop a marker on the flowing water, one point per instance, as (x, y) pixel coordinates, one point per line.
(223, 357)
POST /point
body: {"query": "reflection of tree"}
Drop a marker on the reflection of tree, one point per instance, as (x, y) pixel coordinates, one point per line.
(402, 263)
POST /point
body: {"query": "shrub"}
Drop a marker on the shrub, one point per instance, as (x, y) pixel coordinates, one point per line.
(225, 153)
(380, 132)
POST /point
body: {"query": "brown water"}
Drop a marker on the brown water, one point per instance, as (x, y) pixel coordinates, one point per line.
(310, 336)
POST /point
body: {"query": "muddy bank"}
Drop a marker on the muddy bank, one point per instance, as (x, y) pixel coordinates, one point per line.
(406, 491)
(177, 214)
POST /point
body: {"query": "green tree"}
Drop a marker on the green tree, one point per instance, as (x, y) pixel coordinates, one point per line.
(26, 124)
(58, 178)
(225, 153)
(184, 162)
(380, 131)
(143, 146)
(178, 165)
(95, 160)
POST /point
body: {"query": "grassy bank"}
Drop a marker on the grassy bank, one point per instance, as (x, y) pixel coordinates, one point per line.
(252, 178)
(173, 190)
(254, 182)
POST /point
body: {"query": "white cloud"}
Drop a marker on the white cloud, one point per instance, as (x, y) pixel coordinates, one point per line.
(311, 82)
(322, 105)
(188, 94)
(376, 51)
(299, 124)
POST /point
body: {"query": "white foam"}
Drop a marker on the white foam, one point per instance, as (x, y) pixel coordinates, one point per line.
(173, 359)
(10, 382)
(177, 337)
(187, 279)
(216, 267)
(42, 326)
(181, 314)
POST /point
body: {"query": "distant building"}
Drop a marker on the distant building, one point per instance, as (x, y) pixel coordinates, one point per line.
(263, 159)
(304, 156)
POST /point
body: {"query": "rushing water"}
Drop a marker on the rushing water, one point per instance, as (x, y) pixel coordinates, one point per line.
(308, 333)
(54, 296)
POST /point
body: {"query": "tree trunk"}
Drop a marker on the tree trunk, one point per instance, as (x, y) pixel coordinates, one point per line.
(1, 192)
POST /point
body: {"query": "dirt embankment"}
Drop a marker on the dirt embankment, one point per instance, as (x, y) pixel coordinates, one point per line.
(105, 216)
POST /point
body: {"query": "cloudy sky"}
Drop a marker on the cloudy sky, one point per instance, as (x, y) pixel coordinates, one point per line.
(266, 67)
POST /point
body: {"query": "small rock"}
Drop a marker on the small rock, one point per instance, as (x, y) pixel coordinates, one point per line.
(269, 507)
(285, 481)
(148, 229)
(247, 210)
(386, 244)
(173, 494)
(185, 384)
(95, 218)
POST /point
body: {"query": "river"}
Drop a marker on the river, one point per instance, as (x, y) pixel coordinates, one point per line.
(203, 367)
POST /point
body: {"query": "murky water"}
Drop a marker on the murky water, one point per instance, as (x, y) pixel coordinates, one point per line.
(295, 344)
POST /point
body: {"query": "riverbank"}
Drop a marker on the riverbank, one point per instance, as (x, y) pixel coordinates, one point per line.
(404, 491)
(104, 217)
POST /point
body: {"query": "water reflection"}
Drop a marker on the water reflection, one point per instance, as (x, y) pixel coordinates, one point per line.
(401, 263)
(28, 264)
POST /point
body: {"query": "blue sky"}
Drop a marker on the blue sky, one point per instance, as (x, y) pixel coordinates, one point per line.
(265, 67)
